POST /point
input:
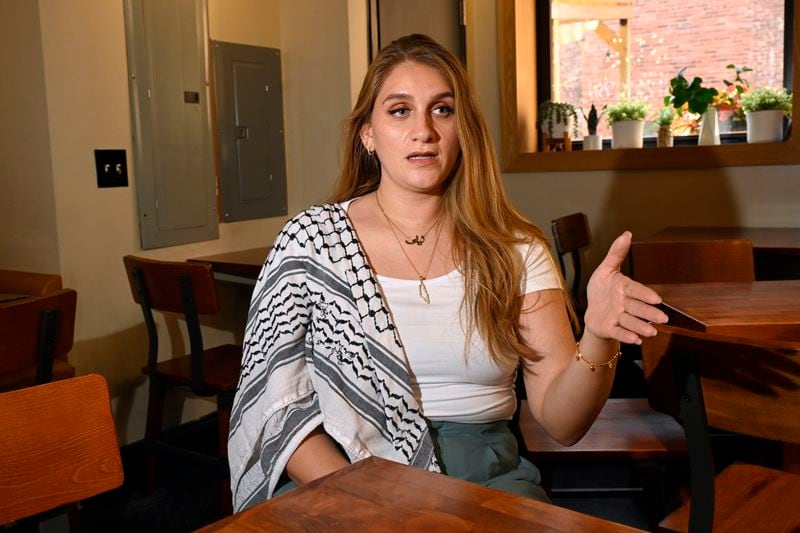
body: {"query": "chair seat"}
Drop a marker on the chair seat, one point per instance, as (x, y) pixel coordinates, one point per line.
(626, 429)
(736, 508)
(27, 377)
(221, 368)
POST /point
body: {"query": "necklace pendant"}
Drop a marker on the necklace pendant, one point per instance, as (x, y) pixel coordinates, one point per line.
(423, 291)
(418, 240)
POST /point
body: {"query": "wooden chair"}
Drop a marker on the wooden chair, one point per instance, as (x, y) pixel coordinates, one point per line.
(189, 289)
(692, 261)
(30, 283)
(58, 445)
(35, 336)
(570, 235)
(745, 386)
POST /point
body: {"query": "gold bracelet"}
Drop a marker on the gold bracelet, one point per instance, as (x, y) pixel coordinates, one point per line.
(593, 366)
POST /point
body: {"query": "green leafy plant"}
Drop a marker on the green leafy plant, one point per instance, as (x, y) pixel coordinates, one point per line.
(693, 96)
(665, 117)
(551, 113)
(739, 85)
(592, 119)
(627, 110)
(768, 98)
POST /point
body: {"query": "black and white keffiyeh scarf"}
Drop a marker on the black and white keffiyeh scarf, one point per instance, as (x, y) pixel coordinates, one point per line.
(320, 348)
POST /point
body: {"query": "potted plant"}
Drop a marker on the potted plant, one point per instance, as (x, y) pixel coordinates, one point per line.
(557, 120)
(626, 119)
(664, 121)
(729, 101)
(697, 99)
(592, 141)
(765, 109)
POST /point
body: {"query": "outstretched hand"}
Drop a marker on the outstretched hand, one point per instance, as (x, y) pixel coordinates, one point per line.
(618, 307)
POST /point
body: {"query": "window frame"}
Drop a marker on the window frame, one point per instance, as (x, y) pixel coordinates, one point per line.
(517, 60)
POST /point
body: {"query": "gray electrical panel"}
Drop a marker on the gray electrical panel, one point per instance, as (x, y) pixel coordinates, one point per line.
(173, 152)
(249, 110)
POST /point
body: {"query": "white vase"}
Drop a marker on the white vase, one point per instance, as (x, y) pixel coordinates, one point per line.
(592, 142)
(764, 126)
(627, 134)
(709, 127)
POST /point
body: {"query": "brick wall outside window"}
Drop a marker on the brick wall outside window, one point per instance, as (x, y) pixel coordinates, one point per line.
(703, 35)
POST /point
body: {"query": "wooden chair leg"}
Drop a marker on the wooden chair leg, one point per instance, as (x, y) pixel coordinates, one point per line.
(155, 418)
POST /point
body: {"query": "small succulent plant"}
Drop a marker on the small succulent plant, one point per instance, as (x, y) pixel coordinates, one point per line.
(627, 110)
(592, 119)
(665, 117)
(767, 98)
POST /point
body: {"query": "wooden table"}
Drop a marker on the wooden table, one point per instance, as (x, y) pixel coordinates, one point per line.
(379, 495)
(716, 332)
(760, 309)
(243, 263)
(776, 251)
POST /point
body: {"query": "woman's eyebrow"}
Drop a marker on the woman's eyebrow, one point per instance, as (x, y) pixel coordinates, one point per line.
(406, 96)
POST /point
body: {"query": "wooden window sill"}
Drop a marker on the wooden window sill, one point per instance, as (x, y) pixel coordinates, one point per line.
(517, 70)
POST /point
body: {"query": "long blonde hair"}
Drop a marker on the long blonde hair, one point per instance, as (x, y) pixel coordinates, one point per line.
(487, 229)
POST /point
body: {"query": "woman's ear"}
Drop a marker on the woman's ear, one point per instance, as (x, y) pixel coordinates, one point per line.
(366, 137)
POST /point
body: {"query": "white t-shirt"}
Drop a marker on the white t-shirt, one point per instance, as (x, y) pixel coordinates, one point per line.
(451, 386)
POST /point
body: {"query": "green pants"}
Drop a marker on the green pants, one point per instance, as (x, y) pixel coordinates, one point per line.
(486, 454)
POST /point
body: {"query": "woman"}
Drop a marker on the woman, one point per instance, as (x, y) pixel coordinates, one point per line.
(392, 320)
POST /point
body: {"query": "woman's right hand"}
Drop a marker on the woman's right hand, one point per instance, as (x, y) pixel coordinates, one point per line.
(620, 308)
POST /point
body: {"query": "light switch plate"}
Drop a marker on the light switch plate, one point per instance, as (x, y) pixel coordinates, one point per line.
(112, 168)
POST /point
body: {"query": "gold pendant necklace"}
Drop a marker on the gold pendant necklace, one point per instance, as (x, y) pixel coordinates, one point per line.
(423, 290)
(419, 240)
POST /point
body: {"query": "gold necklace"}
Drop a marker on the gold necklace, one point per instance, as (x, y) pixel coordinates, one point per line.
(423, 290)
(419, 240)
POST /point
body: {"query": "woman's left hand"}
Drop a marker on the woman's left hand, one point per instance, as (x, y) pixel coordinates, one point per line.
(618, 307)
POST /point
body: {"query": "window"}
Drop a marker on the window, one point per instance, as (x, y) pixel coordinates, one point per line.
(521, 82)
(602, 50)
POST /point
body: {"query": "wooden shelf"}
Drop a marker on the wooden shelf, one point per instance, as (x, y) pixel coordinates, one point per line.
(518, 98)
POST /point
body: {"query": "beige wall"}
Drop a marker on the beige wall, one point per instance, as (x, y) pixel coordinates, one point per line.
(72, 97)
(28, 234)
(642, 201)
(254, 22)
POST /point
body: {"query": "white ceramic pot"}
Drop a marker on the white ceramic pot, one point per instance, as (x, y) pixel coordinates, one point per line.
(559, 129)
(592, 142)
(709, 127)
(627, 134)
(764, 126)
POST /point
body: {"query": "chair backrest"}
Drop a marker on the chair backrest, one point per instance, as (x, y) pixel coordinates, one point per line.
(30, 283)
(570, 234)
(178, 287)
(750, 387)
(162, 284)
(33, 331)
(57, 446)
(692, 261)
